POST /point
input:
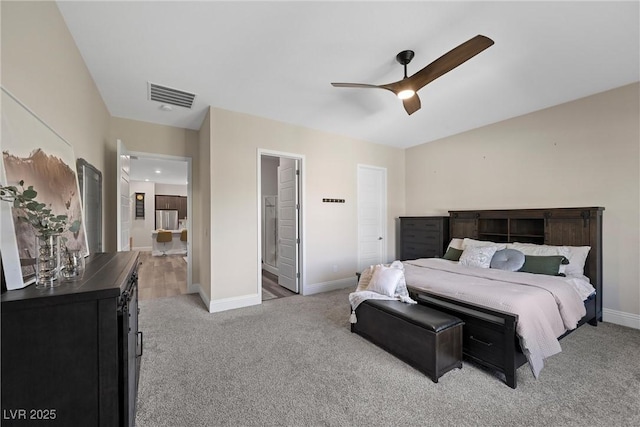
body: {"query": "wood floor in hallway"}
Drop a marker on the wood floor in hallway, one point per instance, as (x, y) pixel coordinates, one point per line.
(271, 289)
(161, 276)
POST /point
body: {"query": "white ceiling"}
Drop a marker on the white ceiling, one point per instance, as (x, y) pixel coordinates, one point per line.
(277, 60)
(160, 171)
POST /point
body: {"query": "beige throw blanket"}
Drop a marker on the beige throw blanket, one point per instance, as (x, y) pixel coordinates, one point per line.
(546, 306)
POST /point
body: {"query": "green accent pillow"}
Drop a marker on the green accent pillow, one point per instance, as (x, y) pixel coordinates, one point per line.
(549, 265)
(452, 254)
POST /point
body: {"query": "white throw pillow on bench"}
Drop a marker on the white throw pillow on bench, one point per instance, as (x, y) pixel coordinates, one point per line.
(385, 280)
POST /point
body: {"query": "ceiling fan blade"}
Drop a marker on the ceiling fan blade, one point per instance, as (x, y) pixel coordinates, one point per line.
(412, 104)
(437, 68)
(449, 61)
(357, 85)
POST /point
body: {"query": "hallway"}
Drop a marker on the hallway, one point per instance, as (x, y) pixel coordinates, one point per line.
(161, 276)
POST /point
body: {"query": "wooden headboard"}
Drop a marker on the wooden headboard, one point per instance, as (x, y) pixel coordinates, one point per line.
(554, 226)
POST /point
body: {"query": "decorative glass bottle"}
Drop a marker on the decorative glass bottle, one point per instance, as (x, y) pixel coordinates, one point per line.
(47, 260)
(71, 265)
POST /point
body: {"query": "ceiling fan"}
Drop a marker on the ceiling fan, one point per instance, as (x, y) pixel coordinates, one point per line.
(406, 88)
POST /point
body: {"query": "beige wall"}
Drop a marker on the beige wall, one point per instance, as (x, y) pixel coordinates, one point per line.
(42, 67)
(141, 228)
(582, 153)
(330, 233)
(156, 139)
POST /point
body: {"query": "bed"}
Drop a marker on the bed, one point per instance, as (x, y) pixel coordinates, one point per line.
(490, 334)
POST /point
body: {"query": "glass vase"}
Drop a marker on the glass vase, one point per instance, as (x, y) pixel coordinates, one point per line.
(71, 265)
(47, 260)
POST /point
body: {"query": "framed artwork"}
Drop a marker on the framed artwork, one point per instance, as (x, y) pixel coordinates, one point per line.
(36, 154)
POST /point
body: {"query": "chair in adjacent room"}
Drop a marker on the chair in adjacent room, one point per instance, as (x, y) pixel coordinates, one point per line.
(164, 237)
(183, 238)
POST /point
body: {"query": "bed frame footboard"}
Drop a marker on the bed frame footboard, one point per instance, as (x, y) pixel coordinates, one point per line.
(489, 336)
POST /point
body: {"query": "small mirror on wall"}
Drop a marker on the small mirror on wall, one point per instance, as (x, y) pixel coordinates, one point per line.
(90, 181)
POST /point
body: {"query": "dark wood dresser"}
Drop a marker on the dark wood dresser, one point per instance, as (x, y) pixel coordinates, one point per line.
(71, 354)
(423, 236)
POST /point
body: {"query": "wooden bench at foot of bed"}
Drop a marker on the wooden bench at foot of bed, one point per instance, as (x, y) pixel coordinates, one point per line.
(427, 339)
(489, 336)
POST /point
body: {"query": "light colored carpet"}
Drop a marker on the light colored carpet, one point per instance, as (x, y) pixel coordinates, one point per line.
(294, 362)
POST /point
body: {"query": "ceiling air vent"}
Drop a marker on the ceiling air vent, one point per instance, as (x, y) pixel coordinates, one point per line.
(168, 95)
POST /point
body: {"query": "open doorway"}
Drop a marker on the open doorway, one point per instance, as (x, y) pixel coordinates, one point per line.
(160, 225)
(280, 219)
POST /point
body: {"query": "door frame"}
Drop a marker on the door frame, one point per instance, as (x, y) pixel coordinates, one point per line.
(301, 216)
(122, 151)
(189, 160)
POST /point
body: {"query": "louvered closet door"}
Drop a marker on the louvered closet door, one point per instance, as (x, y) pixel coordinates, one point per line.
(288, 224)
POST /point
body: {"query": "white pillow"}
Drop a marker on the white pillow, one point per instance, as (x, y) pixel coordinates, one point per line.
(367, 274)
(471, 242)
(577, 258)
(539, 250)
(456, 244)
(385, 280)
(478, 256)
(577, 255)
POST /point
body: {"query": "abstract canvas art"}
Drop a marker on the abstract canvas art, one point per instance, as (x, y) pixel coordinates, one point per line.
(34, 153)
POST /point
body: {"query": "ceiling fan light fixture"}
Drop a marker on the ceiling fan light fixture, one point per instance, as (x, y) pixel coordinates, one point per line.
(406, 93)
(406, 88)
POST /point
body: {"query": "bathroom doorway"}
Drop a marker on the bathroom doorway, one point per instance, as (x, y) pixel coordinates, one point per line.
(280, 224)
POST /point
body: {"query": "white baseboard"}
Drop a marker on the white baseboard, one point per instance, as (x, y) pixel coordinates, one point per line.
(316, 288)
(621, 318)
(272, 270)
(142, 248)
(255, 299)
(234, 302)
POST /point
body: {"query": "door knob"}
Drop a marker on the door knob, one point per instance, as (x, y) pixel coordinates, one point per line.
(379, 238)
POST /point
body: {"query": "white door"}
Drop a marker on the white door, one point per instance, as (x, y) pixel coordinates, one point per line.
(288, 224)
(372, 216)
(270, 234)
(124, 199)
